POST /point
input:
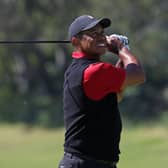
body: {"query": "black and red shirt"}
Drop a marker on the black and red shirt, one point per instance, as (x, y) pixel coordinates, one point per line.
(91, 114)
(100, 78)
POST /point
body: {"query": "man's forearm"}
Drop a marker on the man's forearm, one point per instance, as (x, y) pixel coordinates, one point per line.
(127, 57)
(134, 71)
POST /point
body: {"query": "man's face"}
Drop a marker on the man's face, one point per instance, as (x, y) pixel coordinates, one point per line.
(93, 41)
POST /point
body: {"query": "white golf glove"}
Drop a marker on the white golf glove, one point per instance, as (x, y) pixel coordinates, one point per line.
(123, 39)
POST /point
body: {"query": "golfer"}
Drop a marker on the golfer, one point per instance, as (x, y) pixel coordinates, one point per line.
(91, 94)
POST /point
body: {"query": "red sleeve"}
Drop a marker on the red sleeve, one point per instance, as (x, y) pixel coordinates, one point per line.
(102, 78)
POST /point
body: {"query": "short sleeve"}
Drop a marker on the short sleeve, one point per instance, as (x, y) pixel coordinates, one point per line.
(99, 79)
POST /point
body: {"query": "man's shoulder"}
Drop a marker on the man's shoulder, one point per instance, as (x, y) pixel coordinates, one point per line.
(99, 66)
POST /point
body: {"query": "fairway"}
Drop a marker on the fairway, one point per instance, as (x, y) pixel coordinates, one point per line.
(141, 147)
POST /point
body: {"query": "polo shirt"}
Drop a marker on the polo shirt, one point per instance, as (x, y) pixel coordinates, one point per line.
(100, 78)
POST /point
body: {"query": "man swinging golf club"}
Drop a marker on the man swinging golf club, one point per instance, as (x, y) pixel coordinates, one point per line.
(91, 94)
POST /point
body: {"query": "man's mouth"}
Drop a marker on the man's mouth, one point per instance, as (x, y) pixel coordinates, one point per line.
(101, 45)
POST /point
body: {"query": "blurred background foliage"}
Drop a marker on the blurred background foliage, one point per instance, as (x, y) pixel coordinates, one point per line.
(31, 76)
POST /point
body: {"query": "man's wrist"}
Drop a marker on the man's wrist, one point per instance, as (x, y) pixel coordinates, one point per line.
(127, 57)
(123, 49)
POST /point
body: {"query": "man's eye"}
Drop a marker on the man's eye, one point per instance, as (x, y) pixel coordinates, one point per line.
(98, 33)
(95, 33)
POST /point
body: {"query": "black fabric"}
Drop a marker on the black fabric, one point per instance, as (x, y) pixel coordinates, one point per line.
(72, 161)
(92, 127)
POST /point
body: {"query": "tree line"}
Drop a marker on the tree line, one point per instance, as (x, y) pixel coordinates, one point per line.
(31, 76)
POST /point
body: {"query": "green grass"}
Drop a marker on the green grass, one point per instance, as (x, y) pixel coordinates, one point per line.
(141, 147)
(36, 148)
(144, 147)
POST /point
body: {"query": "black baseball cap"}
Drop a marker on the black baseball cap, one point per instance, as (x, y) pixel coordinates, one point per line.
(86, 22)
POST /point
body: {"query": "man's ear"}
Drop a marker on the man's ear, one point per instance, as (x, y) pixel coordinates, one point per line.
(75, 41)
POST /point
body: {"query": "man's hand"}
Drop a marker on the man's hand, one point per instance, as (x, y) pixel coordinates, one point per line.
(114, 44)
(119, 64)
(120, 96)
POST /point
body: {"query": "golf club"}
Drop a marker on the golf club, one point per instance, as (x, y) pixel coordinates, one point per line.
(33, 41)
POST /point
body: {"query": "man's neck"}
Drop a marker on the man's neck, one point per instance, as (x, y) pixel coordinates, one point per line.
(81, 54)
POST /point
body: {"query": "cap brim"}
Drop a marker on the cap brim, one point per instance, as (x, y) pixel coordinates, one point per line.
(105, 22)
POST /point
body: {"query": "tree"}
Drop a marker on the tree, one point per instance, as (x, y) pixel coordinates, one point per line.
(32, 75)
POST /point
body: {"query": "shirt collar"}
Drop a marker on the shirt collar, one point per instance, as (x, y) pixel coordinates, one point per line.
(79, 54)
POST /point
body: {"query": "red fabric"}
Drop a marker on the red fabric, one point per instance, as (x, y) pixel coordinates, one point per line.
(78, 54)
(101, 78)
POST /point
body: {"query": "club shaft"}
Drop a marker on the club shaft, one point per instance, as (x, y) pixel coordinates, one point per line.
(33, 41)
